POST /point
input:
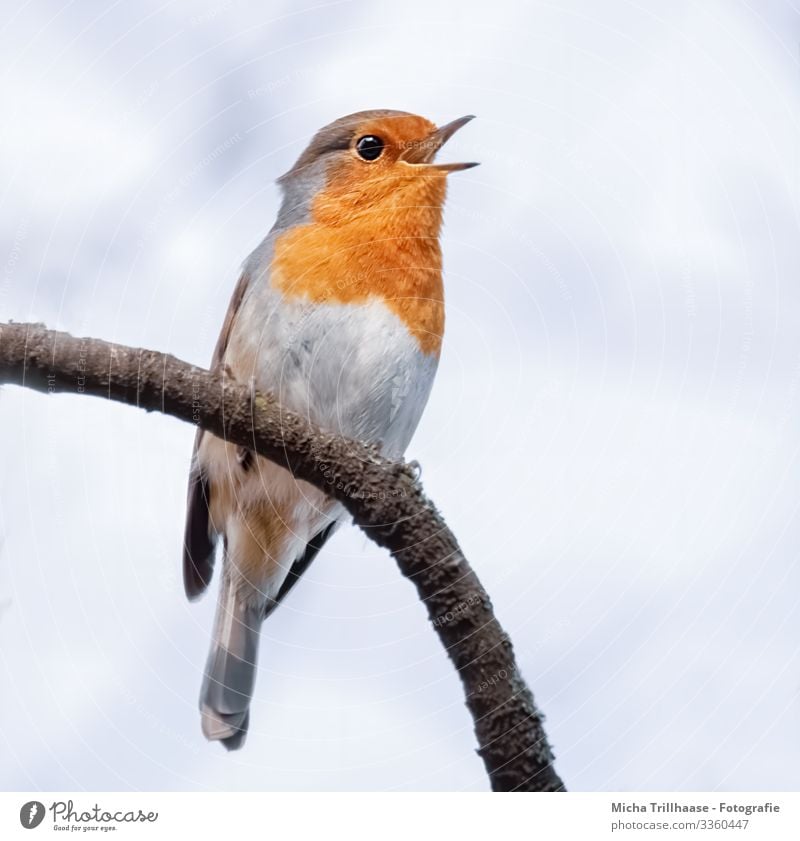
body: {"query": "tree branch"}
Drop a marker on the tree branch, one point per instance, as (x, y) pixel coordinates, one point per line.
(384, 498)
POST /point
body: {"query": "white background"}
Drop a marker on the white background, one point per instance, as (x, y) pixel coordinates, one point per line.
(612, 435)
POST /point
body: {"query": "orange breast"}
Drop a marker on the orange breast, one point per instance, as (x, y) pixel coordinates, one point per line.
(389, 250)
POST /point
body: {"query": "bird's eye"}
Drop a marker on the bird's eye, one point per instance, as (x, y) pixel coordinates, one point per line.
(369, 147)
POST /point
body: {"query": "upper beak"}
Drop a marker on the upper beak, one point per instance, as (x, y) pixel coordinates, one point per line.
(424, 151)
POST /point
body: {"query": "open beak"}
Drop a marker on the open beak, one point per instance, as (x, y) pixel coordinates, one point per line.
(424, 151)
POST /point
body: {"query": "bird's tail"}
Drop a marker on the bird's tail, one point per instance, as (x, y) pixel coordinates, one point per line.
(231, 668)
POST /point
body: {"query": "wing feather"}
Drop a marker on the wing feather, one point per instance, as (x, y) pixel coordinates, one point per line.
(199, 538)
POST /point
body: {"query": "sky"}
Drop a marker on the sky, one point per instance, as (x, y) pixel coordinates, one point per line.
(612, 434)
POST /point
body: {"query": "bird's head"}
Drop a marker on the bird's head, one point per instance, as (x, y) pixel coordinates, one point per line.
(368, 162)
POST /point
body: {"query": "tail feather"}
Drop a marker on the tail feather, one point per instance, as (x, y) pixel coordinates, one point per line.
(230, 730)
(230, 672)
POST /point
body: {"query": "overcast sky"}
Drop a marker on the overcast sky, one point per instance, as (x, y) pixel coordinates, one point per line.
(612, 434)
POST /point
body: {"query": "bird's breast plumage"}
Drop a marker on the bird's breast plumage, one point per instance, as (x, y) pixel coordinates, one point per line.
(343, 319)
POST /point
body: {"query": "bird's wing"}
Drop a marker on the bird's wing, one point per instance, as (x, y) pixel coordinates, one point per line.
(199, 539)
(230, 316)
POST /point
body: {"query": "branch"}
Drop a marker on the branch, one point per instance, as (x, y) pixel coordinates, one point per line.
(383, 497)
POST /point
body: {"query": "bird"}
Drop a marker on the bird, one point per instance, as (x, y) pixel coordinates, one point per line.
(338, 313)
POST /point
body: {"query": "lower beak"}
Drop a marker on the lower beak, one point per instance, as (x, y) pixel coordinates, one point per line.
(424, 151)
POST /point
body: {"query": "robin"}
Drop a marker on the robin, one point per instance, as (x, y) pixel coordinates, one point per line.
(339, 313)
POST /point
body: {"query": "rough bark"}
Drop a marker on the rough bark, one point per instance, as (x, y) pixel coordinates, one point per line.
(384, 498)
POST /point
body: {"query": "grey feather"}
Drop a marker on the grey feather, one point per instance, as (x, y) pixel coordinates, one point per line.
(230, 673)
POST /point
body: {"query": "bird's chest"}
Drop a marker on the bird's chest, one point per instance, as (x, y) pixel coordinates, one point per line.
(353, 368)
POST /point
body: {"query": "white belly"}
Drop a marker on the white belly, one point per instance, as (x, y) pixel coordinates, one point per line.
(353, 369)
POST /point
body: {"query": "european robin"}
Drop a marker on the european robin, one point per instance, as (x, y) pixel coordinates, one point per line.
(339, 313)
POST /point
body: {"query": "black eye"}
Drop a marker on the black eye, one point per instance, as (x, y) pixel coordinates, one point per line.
(369, 147)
